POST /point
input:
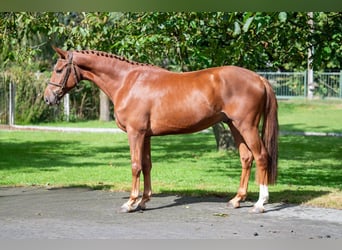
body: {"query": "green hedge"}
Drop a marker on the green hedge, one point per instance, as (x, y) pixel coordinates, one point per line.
(29, 101)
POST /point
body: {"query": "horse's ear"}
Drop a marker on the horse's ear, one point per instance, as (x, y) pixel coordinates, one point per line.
(62, 53)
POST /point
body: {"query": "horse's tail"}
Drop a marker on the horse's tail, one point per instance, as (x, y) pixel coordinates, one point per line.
(270, 131)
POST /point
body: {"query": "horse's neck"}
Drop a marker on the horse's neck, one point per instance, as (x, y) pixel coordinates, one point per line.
(106, 72)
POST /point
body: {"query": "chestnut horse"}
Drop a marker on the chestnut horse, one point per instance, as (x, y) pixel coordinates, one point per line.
(151, 101)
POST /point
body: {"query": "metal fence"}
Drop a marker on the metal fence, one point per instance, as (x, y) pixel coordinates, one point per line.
(294, 84)
(328, 85)
(287, 84)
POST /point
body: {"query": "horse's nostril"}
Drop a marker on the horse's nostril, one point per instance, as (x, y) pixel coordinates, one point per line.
(47, 101)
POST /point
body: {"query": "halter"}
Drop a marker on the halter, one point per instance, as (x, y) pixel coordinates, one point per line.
(68, 66)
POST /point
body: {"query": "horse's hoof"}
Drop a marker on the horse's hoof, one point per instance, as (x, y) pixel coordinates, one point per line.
(141, 207)
(257, 210)
(232, 204)
(125, 209)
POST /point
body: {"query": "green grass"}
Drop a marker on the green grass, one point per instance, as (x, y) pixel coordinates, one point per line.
(311, 116)
(310, 168)
(80, 124)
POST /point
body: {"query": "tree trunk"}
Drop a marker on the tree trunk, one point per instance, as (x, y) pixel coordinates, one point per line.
(223, 136)
(104, 107)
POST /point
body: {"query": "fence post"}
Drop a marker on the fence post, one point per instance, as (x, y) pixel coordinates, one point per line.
(67, 107)
(310, 72)
(305, 79)
(310, 83)
(340, 84)
(11, 107)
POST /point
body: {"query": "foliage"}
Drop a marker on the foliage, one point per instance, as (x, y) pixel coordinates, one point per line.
(327, 41)
(184, 40)
(23, 36)
(254, 40)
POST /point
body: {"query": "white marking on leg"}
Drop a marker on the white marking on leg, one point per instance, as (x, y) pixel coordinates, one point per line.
(263, 197)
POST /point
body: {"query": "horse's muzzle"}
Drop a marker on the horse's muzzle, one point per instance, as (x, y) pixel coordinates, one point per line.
(49, 102)
(51, 98)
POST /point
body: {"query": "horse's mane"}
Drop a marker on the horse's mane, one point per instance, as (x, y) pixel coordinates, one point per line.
(109, 55)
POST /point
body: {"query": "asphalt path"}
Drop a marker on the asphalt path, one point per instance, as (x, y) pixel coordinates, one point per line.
(81, 213)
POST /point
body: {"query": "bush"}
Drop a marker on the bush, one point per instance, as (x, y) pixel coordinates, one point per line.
(30, 106)
(29, 86)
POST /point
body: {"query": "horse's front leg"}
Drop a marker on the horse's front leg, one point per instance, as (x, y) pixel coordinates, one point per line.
(136, 144)
(146, 169)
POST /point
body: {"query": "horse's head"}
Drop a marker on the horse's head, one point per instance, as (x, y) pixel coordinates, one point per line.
(65, 77)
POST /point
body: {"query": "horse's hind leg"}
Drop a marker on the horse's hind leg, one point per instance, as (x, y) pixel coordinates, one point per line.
(255, 144)
(246, 159)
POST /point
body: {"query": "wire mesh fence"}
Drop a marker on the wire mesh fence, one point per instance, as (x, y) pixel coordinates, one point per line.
(294, 84)
(287, 84)
(328, 85)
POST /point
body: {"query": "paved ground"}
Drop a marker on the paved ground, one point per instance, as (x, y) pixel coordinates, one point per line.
(79, 213)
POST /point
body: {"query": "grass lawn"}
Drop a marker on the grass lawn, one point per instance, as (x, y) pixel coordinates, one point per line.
(310, 168)
(310, 116)
(80, 124)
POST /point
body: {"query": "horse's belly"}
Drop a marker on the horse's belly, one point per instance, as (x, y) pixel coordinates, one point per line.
(180, 123)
